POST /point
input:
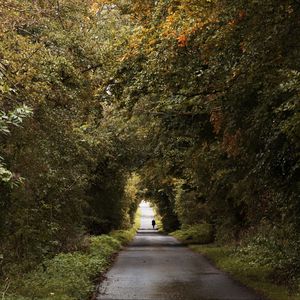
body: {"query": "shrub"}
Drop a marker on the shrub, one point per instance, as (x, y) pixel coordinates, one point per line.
(124, 236)
(69, 276)
(104, 245)
(195, 234)
(276, 248)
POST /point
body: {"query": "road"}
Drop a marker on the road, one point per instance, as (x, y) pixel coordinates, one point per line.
(158, 267)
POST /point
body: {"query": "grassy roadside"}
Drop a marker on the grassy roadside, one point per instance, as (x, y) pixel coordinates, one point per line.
(238, 263)
(196, 234)
(254, 276)
(70, 276)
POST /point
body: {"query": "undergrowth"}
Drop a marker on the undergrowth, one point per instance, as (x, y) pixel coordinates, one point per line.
(266, 259)
(258, 276)
(194, 234)
(69, 276)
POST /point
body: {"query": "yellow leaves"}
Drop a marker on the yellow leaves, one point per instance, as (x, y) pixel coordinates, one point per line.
(168, 27)
(232, 22)
(141, 37)
(97, 5)
(171, 19)
(179, 27)
(132, 186)
(142, 9)
(185, 20)
(94, 7)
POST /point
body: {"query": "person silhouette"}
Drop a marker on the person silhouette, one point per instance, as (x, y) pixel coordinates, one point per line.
(153, 223)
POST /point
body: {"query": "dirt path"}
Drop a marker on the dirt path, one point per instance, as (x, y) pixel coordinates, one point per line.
(157, 267)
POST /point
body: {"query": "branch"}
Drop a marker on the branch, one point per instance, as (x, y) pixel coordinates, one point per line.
(6, 287)
(91, 68)
(27, 59)
(58, 15)
(166, 113)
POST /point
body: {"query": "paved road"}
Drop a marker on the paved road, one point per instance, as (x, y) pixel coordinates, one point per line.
(157, 267)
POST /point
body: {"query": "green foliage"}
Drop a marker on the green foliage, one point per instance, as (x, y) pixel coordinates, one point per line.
(124, 236)
(258, 276)
(226, 140)
(68, 159)
(195, 234)
(71, 275)
(104, 244)
(66, 274)
(190, 206)
(216, 99)
(13, 118)
(187, 103)
(275, 248)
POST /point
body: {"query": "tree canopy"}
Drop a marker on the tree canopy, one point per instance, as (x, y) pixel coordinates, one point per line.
(193, 105)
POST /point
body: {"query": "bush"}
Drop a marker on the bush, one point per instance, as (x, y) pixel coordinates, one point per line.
(104, 245)
(124, 236)
(276, 248)
(195, 234)
(244, 264)
(69, 276)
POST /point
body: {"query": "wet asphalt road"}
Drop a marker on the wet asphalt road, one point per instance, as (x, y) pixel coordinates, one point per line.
(158, 267)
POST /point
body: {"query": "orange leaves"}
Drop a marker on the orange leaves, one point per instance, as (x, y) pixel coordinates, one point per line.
(231, 143)
(240, 17)
(243, 47)
(182, 41)
(185, 20)
(232, 22)
(97, 5)
(182, 23)
(216, 119)
(168, 27)
(142, 10)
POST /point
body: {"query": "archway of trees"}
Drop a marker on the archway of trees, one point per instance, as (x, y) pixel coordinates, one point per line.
(191, 104)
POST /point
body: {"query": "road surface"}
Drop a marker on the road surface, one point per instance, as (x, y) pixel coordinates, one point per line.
(158, 267)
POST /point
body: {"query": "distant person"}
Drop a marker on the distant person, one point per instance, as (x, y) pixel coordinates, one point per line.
(153, 223)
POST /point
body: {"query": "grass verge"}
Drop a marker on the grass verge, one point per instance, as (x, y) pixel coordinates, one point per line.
(70, 276)
(194, 234)
(252, 275)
